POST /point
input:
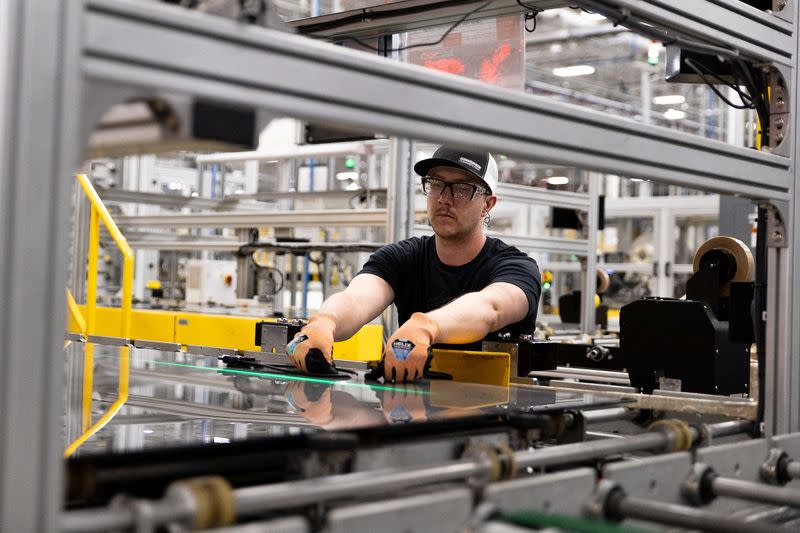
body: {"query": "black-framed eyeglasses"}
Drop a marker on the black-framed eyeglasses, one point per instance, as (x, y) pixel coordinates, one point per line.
(433, 186)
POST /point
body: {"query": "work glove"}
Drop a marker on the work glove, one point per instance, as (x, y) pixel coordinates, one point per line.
(312, 401)
(407, 355)
(311, 350)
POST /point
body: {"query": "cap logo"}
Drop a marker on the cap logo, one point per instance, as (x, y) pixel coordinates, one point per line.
(470, 163)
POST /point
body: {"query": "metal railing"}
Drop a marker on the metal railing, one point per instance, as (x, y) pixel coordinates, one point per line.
(99, 214)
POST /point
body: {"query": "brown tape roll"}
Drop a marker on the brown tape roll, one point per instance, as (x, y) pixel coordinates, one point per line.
(603, 281)
(745, 264)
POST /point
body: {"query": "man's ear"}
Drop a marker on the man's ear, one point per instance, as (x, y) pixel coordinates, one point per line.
(489, 204)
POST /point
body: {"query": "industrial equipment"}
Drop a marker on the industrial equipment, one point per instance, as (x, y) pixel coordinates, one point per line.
(701, 343)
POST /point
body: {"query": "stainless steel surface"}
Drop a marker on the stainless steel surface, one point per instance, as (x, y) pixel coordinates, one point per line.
(444, 511)
(658, 478)
(741, 460)
(793, 469)
(563, 492)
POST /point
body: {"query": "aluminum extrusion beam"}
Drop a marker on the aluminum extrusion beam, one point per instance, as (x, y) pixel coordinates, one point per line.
(150, 44)
(541, 196)
(727, 23)
(251, 219)
(545, 244)
(186, 246)
(39, 93)
(292, 152)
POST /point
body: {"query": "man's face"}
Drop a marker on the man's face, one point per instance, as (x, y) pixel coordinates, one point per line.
(451, 217)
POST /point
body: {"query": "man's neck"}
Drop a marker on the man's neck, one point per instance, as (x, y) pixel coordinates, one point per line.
(461, 251)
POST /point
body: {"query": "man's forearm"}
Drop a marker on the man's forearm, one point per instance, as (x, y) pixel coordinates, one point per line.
(471, 317)
(468, 318)
(348, 314)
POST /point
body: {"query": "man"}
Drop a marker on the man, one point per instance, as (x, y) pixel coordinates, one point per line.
(454, 287)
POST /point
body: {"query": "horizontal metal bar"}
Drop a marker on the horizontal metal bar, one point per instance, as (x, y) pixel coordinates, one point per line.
(290, 152)
(755, 492)
(565, 266)
(308, 195)
(152, 198)
(641, 268)
(733, 24)
(75, 337)
(542, 196)
(593, 372)
(598, 416)
(586, 377)
(212, 351)
(108, 340)
(149, 44)
(157, 345)
(402, 16)
(186, 245)
(688, 205)
(310, 218)
(683, 516)
(732, 427)
(256, 500)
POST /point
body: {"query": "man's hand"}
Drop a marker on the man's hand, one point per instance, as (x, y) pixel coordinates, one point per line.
(317, 335)
(407, 352)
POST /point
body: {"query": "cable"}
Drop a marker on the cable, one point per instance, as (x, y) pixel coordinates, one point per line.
(692, 65)
(418, 45)
(530, 14)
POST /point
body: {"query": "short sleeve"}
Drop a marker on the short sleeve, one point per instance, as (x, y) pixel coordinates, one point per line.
(522, 271)
(391, 263)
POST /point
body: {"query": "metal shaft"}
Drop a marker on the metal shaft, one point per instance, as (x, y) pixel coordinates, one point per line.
(583, 451)
(756, 492)
(608, 415)
(682, 516)
(255, 500)
(793, 469)
(733, 427)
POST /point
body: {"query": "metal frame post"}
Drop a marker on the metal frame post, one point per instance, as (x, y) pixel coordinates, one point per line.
(588, 313)
(39, 87)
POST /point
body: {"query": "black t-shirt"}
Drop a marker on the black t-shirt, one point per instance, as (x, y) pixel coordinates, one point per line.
(421, 282)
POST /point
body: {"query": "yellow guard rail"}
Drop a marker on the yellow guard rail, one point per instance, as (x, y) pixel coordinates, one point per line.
(100, 214)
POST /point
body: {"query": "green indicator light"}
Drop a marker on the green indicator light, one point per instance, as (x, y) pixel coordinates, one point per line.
(546, 285)
(349, 163)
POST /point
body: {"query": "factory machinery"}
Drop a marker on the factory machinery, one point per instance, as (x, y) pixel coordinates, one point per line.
(636, 436)
(506, 434)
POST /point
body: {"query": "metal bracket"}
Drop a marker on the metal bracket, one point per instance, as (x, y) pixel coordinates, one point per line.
(776, 230)
(779, 112)
(656, 478)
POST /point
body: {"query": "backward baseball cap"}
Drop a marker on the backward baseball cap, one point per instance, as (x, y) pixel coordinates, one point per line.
(480, 164)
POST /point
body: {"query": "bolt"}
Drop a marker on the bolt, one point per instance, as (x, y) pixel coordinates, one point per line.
(779, 137)
(777, 235)
(780, 102)
(780, 123)
(782, 4)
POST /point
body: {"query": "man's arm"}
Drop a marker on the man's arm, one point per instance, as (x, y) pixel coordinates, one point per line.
(472, 316)
(468, 318)
(365, 297)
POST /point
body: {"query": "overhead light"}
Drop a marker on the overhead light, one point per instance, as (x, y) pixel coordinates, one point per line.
(674, 114)
(221, 440)
(348, 175)
(147, 431)
(637, 180)
(558, 180)
(669, 99)
(354, 186)
(574, 70)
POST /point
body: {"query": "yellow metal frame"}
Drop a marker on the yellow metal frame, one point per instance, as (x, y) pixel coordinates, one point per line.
(100, 214)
